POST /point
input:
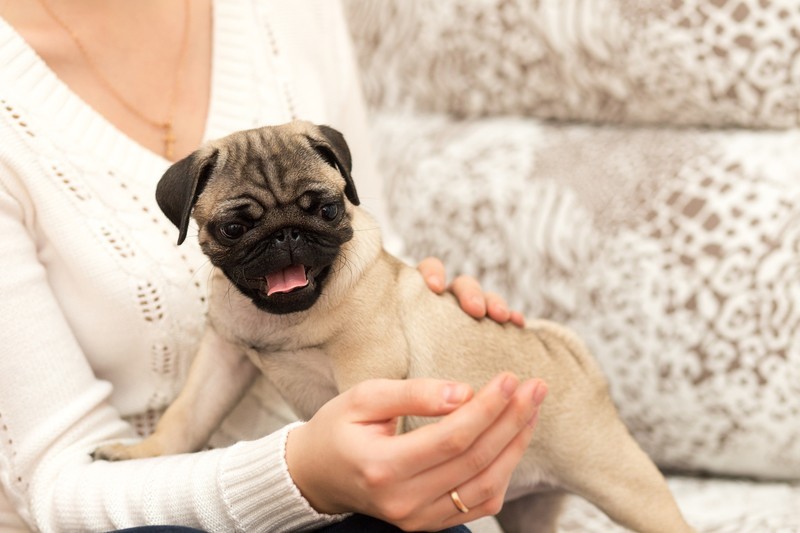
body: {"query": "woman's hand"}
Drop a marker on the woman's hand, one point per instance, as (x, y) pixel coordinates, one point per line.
(468, 291)
(347, 458)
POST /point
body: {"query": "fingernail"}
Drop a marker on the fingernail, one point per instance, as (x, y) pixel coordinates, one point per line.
(509, 386)
(501, 310)
(455, 394)
(435, 283)
(539, 392)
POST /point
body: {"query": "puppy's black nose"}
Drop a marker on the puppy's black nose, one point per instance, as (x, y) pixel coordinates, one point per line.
(286, 235)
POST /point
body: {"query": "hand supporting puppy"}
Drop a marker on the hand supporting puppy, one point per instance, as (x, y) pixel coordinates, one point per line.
(347, 458)
(468, 291)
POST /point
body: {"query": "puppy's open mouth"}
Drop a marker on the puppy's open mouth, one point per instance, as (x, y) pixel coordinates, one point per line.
(286, 280)
(291, 278)
(286, 289)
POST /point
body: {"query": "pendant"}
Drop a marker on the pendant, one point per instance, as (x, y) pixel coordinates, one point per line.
(169, 141)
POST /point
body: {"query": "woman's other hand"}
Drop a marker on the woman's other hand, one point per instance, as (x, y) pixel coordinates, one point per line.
(470, 296)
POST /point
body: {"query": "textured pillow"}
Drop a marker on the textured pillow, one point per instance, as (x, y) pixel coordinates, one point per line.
(710, 505)
(682, 62)
(675, 253)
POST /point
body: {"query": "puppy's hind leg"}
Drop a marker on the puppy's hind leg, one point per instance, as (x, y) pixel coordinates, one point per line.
(532, 513)
(620, 479)
(218, 378)
(590, 451)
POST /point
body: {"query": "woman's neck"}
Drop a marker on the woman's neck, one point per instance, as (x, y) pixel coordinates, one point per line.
(118, 54)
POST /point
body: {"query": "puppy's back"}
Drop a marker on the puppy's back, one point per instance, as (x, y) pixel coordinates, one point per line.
(447, 343)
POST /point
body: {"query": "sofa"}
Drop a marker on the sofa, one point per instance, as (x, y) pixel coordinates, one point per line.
(631, 169)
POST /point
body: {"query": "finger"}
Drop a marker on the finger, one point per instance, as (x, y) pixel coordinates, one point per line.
(518, 319)
(484, 494)
(497, 308)
(377, 400)
(485, 451)
(433, 444)
(432, 270)
(470, 296)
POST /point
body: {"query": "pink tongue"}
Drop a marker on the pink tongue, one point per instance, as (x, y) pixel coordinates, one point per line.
(287, 279)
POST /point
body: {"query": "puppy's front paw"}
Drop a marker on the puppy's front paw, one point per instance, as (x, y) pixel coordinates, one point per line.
(112, 452)
(120, 452)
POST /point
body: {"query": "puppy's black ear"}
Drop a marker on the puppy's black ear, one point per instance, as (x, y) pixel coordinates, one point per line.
(181, 184)
(341, 159)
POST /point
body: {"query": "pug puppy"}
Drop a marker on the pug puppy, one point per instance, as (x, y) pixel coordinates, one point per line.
(303, 292)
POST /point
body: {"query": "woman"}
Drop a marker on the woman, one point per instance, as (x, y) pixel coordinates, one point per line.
(102, 311)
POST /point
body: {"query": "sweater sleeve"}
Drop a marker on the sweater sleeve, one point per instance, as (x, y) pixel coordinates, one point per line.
(54, 412)
(242, 488)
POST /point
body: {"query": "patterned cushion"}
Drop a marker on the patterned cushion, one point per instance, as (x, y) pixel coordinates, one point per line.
(712, 505)
(673, 252)
(686, 62)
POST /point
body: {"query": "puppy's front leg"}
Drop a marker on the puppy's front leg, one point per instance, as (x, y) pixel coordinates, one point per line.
(218, 378)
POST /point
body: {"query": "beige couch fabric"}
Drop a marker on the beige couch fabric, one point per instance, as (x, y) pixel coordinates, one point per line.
(629, 168)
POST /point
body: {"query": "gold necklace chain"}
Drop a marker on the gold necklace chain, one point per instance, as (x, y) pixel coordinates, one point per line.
(167, 125)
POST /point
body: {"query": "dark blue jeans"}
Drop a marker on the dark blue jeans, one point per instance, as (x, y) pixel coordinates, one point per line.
(366, 524)
(354, 524)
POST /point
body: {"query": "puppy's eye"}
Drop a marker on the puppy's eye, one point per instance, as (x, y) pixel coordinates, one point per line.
(232, 230)
(329, 211)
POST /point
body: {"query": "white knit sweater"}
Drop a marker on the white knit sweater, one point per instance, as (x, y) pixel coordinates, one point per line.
(101, 311)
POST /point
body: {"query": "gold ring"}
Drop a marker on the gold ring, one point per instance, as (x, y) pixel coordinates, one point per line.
(457, 502)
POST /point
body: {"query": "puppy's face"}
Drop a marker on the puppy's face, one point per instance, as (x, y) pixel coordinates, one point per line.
(272, 206)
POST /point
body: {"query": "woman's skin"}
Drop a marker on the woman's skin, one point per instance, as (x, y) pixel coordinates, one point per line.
(361, 465)
(142, 69)
(468, 291)
(347, 457)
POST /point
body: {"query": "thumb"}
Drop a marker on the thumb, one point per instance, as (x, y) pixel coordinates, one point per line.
(379, 400)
